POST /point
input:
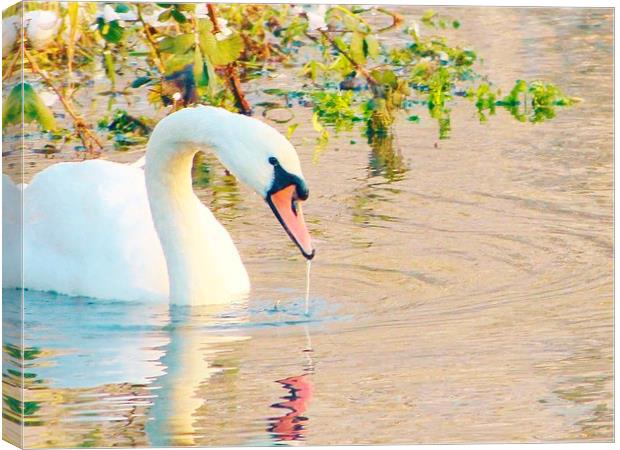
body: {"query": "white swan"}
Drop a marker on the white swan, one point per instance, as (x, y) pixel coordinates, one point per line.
(107, 230)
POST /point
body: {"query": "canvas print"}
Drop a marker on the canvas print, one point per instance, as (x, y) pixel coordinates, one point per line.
(237, 224)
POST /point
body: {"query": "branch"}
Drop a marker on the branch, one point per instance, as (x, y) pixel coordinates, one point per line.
(358, 67)
(152, 44)
(231, 71)
(9, 70)
(235, 84)
(213, 17)
(397, 20)
(88, 138)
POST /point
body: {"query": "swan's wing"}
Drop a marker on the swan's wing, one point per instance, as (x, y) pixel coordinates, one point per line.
(11, 233)
(88, 231)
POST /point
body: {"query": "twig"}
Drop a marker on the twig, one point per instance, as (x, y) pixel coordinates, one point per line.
(213, 17)
(152, 44)
(235, 84)
(358, 67)
(231, 71)
(397, 20)
(9, 70)
(88, 138)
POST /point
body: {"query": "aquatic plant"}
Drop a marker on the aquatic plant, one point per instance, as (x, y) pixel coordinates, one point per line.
(183, 54)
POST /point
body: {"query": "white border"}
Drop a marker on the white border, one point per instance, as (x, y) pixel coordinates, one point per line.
(522, 3)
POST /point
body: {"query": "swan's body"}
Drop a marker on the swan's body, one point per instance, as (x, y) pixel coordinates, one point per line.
(107, 230)
(88, 231)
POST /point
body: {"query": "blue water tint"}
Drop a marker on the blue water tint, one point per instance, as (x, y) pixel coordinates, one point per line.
(268, 314)
(90, 342)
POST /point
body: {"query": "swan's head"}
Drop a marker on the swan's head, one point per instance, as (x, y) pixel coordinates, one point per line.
(267, 162)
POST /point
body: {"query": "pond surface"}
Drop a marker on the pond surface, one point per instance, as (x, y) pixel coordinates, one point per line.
(462, 289)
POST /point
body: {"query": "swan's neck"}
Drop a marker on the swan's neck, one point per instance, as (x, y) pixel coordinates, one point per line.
(204, 266)
(176, 215)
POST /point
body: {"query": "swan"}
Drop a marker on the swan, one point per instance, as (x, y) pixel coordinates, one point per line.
(107, 230)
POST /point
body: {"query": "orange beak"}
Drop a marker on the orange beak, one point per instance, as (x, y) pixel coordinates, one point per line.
(287, 208)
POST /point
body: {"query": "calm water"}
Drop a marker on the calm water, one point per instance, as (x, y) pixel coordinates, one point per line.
(462, 292)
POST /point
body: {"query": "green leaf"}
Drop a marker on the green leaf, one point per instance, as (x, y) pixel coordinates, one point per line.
(427, 18)
(211, 76)
(108, 62)
(121, 8)
(227, 50)
(290, 130)
(178, 62)
(357, 48)
(372, 47)
(318, 126)
(312, 68)
(275, 91)
(208, 43)
(178, 16)
(164, 16)
(189, 7)
(385, 77)
(201, 75)
(110, 31)
(415, 119)
(177, 45)
(222, 52)
(33, 108)
(141, 81)
(205, 26)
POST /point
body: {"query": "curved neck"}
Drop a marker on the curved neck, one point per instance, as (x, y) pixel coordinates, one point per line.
(203, 264)
(175, 213)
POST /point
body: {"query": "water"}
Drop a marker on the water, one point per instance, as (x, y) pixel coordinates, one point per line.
(307, 296)
(461, 292)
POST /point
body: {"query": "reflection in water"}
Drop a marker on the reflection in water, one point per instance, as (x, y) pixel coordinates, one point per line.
(493, 255)
(385, 160)
(217, 185)
(189, 363)
(292, 424)
(109, 371)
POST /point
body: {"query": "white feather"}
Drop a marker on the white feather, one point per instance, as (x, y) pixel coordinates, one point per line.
(106, 230)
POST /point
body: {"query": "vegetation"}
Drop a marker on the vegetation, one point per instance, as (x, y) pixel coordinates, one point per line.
(357, 74)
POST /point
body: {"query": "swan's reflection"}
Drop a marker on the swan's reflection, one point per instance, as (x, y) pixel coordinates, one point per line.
(188, 362)
(292, 425)
(109, 373)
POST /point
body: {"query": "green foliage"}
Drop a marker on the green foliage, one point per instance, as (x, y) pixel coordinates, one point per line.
(24, 98)
(111, 31)
(335, 108)
(352, 78)
(125, 129)
(433, 20)
(535, 101)
(198, 48)
(15, 352)
(485, 101)
(21, 408)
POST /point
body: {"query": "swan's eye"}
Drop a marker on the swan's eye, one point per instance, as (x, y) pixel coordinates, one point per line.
(273, 161)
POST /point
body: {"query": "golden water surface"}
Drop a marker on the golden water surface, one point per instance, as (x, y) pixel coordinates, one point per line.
(462, 289)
